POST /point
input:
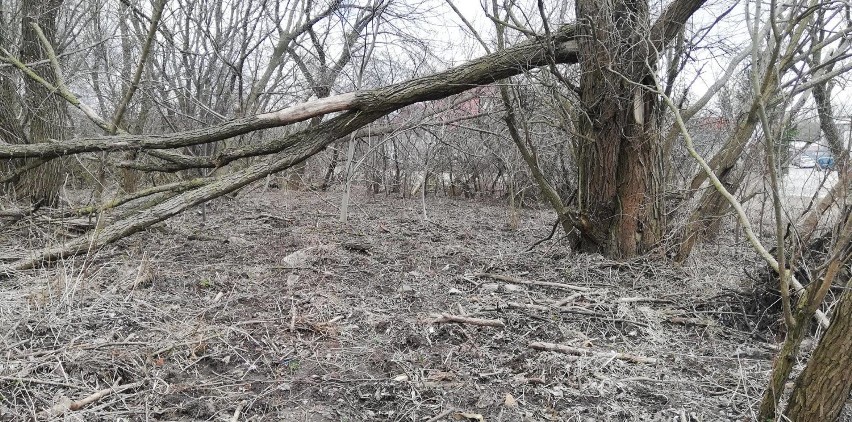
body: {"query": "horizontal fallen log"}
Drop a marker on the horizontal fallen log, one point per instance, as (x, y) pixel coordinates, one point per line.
(483, 71)
(514, 280)
(293, 149)
(582, 351)
(444, 318)
(297, 113)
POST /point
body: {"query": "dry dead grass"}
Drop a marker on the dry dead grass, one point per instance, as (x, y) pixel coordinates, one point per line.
(199, 322)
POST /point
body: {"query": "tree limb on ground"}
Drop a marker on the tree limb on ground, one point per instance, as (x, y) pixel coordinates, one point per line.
(582, 351)
(443, 318)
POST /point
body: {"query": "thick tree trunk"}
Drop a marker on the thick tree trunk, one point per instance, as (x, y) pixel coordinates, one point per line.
(48, 113)
(823, 388)
(619, 153)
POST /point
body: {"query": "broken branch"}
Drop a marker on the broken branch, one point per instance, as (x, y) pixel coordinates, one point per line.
(513, 280)
(582, 351)
(443, 318)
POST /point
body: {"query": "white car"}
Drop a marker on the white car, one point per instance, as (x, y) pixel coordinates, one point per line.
(804, 161)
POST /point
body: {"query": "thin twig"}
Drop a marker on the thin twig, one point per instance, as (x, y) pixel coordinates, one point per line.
(513, 280)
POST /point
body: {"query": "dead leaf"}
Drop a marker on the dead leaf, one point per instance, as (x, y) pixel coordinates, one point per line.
(302, 258)
(441, 376)
(510, 401)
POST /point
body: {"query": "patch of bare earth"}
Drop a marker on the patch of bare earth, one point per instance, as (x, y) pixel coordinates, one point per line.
(273, 310)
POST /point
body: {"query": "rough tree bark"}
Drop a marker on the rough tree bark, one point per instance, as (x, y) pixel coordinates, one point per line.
(823, 388)
(47, 113)
(620, 166)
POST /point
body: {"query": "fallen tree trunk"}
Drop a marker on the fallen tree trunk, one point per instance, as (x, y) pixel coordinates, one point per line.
(485, 70)
(290, 150)
(361, 108)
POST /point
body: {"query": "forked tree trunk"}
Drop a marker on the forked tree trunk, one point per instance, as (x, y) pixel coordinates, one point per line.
(620, 167)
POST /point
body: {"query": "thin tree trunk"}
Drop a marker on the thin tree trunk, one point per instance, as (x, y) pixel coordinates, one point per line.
(329, 173)
(350, 174)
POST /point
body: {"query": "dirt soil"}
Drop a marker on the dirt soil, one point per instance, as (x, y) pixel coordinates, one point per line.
(273, 310)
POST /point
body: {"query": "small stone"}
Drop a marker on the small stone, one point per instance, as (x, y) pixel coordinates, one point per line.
(357, 245)
(510, 401)
(490, 287)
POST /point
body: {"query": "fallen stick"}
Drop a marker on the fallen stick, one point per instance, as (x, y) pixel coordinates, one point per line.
(514, 280)
(567, 300)
(442, 318)
(66, 404)
(238, 410)
(582, 351)
(642, 299)
(570, 310)
(691, 321)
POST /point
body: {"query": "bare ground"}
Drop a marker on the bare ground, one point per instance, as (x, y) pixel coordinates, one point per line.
(273, 310)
